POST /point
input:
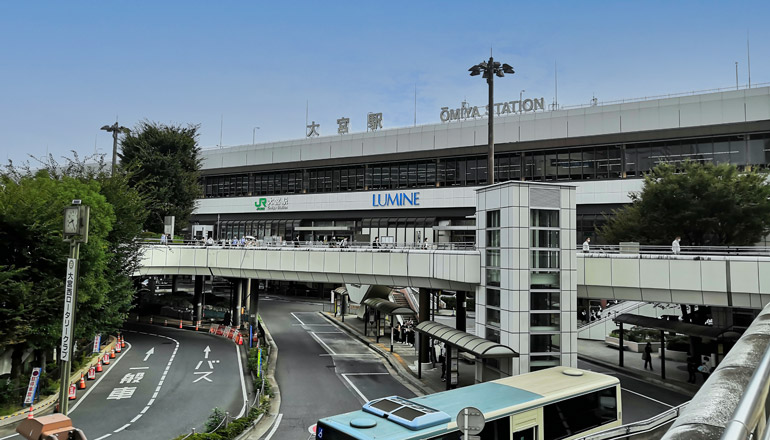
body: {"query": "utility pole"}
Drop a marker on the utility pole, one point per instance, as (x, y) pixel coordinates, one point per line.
(75, 232)
(115, 129)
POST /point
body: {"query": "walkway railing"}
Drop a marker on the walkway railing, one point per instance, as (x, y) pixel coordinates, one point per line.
(639, 427)
(748, 420)
(265, 244)
(684, 250)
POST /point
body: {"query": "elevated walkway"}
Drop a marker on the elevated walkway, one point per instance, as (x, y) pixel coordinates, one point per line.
(453, 269)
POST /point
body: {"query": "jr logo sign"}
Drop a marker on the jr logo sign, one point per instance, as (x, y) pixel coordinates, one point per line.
(261, 204)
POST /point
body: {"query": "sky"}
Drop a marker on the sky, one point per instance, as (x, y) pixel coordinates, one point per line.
(68, 68)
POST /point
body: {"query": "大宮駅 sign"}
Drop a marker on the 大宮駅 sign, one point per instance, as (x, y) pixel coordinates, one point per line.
(397, 199)
(501, 108)
(272, 204)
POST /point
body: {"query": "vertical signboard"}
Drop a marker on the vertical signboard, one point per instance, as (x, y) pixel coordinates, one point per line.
(69, 308)
(97, 343)
(32, 387)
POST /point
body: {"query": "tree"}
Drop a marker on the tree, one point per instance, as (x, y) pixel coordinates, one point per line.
(164, 165)
(706, 204)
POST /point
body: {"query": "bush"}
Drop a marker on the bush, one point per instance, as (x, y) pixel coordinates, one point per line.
(637, 334)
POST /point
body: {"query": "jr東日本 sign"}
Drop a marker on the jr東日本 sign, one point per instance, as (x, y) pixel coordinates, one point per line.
(69, 308)
(272, 204)
(501, 108)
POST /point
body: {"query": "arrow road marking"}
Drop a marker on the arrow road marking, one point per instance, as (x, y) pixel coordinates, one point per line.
(206, 352)
(149, 353)
(205, 376)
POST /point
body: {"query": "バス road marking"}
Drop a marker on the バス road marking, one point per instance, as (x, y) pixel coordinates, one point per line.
(317, 338)
(345, 376)
(275, 427)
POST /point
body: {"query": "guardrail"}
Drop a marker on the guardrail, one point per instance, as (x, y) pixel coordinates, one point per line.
(684, 250)
(264, 244)
(639, 427)
(748, 419)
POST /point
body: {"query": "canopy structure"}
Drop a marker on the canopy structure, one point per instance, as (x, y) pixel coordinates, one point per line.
(701, 331)
(388, 307)
(478, 347)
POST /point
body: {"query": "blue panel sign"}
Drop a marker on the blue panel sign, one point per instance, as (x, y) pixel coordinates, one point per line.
(397, 199)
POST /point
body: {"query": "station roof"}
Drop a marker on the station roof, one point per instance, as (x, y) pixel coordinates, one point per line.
(702, 331)
(479, 347)
(388, 307)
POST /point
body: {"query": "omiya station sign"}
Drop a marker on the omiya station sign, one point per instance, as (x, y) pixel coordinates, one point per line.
(501, 108)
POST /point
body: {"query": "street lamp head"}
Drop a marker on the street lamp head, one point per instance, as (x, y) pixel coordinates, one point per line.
(507, 68)
(106, 128)
(475, 70)
(499, 73)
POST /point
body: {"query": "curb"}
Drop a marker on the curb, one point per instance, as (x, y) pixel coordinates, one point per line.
(266, 421)
(402, 371)
(50, 401)
(675, 385)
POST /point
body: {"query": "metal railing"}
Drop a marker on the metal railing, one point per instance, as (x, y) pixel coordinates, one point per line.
(748, 420)
(299, 245)
(762, 251)
(639, 427)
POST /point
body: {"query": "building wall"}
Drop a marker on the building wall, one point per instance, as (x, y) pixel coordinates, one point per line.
(527, 299)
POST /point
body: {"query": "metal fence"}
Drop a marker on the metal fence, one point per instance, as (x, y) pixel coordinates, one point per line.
(639, 427)
(264, 244)
(634, 248)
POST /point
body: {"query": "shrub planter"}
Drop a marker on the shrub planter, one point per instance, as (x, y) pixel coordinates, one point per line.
(634, 347)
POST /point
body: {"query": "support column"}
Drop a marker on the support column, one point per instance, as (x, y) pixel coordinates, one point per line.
(424, 316)
(174, 283)
(238, 303)
(460, 315)
(448, 370)
(662, 354)
(198, 298)
(620, 344)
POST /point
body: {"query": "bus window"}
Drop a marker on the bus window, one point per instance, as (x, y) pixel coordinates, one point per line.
(578, 414)
(326, 433)
(493, 430)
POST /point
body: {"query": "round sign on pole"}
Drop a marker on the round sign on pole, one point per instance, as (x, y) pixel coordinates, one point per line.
(311, 429)
(470, 421)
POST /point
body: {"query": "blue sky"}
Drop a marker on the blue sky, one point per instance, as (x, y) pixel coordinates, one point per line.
(67, 68)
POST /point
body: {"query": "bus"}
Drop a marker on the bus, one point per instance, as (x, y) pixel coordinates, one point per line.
(557, 403)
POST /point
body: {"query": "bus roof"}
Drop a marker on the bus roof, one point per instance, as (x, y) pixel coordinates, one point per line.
(495, 399)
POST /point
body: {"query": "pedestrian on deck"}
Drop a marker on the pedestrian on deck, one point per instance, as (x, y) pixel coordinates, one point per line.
(705, 368)
(587, 245)
(583, 316)
(442, 360)
(692, 368)
(163, 239)
(675, 248)
(647, 356)
(209, 241)
(376, 243)
(397, 332)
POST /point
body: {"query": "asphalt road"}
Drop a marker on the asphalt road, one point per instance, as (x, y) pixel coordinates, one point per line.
(321, 371)
(162, 386)
(641, 400)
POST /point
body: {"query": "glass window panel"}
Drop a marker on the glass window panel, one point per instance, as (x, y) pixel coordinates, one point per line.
(722, 151)
(756, 153)
(493, 219)
(544, 280)
(544, 218)
(544, 321)
(470, 171)
(493, 257)
(631, 162)
(551, 166)
(481, 171)
(544, 259)
(738, 152)
(413, 180)
(544, 343)
(569, 417)
(502, 168)
(544, 239)
(493, 238)
(403, 179)
(492, 334)
(614, 162)
(576, 165)
(544, 300)
(394, 176)
(493, 317)
(589, 164)
(493, 297)
(562, 166)
(539, 167)
(602, 162)
(516, 167)
(430, 174)
(493, 277)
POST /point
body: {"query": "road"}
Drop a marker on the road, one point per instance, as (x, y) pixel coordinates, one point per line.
(164, 385)
(321, 371)
(641, 400)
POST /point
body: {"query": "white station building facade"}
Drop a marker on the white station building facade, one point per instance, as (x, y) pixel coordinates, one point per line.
(426, 183)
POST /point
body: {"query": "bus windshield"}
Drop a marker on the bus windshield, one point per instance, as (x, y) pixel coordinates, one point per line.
(324, 432)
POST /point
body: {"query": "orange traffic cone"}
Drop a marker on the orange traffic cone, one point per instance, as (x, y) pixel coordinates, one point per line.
(150, 319)
(112, 354)
(30, 415)
(122, 342)
(180, 323)
(73, 392)
(82, 384)
(196, 325)
(165, 322)
(240, 339)
(99, 366)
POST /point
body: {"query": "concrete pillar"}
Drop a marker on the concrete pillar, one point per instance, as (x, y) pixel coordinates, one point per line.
(174, 283)
(460, 315)
(198, 298)
(424, 316)
(239, 285)
(620, 344)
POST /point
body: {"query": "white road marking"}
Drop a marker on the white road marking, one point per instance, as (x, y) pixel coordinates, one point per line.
(348, 354)
(139, 368)
(326, 333)
(199, 365)
(88, 391)
(122, 428)
(275, 427)
(243, 384)
(206, 352)
(211, 364)
(205, 376)
(146, 408)
(148, 354)
(322, 343)
(323, 325)
(647, 397)
(139, 416)
(100, 438)
(345, 376)
(295, 317)
(367, 374)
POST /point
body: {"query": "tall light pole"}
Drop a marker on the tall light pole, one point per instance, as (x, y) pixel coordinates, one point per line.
(115, 129)
(490, 69)
(521, 96)
(254, 135)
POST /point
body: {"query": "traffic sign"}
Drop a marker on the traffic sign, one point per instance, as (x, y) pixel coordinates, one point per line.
(470, 421)
(311, 429)
(34, 378)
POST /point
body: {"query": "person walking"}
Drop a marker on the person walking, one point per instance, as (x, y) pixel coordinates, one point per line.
(163, 239)
(587, 245)
(675, 248)
(647, 356)
(442, 359)
(705, 368)
(692, 368)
